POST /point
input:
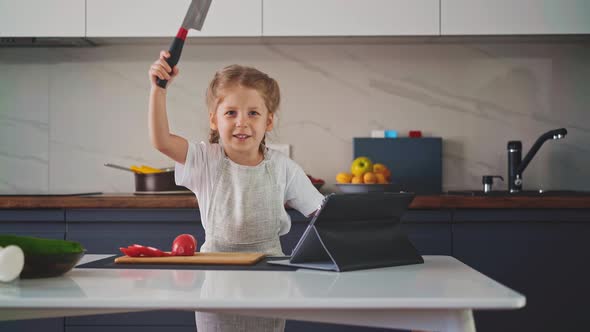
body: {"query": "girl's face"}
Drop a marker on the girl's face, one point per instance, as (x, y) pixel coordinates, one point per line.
(242, 119)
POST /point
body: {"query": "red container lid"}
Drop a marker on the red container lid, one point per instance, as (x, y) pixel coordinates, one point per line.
(415, 133)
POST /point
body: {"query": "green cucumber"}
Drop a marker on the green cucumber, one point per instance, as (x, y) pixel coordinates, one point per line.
(34, 245)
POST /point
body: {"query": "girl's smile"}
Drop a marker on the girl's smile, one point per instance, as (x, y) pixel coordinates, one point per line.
(241, 137)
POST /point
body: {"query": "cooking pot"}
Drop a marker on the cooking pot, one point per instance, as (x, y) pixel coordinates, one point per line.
(154, 183)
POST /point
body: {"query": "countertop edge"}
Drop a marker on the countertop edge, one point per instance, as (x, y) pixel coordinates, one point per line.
(421, 202)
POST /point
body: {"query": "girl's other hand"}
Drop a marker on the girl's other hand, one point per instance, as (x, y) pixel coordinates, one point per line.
(160, 69)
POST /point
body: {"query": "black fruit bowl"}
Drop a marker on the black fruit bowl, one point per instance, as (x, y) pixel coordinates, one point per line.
(350, 188)
(49, 265)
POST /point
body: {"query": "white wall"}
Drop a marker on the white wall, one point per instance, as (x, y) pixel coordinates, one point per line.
(64, 112)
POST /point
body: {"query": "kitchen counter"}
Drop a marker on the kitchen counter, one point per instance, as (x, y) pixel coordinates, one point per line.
(188, 201)
(113, 200)
(429, 296)
(508, 244)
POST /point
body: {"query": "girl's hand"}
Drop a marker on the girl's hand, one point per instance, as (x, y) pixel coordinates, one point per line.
(160, 69)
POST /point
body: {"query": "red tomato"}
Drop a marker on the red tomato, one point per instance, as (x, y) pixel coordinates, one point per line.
(184, 245)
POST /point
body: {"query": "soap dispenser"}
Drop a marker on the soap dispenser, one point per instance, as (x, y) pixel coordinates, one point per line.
(488, 181)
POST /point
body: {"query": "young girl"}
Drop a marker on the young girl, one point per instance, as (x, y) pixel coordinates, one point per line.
(241, 186)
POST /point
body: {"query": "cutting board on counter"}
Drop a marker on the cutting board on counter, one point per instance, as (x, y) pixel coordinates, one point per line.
(200, 258)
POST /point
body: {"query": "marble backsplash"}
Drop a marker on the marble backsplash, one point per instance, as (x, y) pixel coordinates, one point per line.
(64, 112)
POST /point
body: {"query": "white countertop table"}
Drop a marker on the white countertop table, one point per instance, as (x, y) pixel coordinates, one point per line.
(437, 295)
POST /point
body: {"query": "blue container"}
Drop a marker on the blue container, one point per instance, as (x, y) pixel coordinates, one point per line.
(415, 164)
(390, 134)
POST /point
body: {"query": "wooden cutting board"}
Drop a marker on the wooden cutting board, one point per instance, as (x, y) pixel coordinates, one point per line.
(217, 258)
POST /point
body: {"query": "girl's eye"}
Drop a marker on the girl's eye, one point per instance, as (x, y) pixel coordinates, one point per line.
(253, 113)
(230, 113)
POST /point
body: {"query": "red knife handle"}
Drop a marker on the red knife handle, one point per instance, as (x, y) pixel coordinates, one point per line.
(175, 51)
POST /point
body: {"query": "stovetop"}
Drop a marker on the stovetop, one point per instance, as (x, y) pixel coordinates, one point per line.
(48, 193)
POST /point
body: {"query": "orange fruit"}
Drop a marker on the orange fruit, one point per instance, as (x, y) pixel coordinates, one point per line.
(381, 168)
(381, 178)
(357, 179)
(343, 177)
(370, 178)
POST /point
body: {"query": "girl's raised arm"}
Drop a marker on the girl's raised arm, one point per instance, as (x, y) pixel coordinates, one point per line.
(169, 144)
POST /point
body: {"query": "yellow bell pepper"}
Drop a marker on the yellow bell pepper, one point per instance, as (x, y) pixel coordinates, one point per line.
(148, 169)
(136, 169)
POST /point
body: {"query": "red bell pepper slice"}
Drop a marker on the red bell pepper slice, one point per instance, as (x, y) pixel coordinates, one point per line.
(138, 250)
(155, 252)
(142, 250)
(131, 252)
(149, 251)
(124, 251)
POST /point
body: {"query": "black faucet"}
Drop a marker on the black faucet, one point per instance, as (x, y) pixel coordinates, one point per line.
(516, 166)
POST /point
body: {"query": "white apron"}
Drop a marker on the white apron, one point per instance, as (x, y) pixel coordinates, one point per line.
(244, 215)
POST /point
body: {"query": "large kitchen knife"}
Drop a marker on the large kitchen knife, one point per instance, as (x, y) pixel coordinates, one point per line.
(194, 18)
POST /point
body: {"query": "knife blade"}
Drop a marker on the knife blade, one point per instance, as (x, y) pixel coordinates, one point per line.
(194, 19)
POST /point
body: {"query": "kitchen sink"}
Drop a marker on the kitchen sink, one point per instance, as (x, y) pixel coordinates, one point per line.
(533, 193)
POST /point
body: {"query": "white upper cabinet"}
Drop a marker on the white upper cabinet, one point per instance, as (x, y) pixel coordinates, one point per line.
(162, 18)
(35, 18)
(350, 18)
(514, 17)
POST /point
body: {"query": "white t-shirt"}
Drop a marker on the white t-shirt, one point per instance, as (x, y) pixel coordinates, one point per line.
(203, 164)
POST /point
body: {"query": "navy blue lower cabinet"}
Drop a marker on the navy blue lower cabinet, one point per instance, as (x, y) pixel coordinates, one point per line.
(130, 328)
(542, 254)
(40, 325)
(49, 224)
(160, 320)
(301, 326)
(103, 231)
(429, 231)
